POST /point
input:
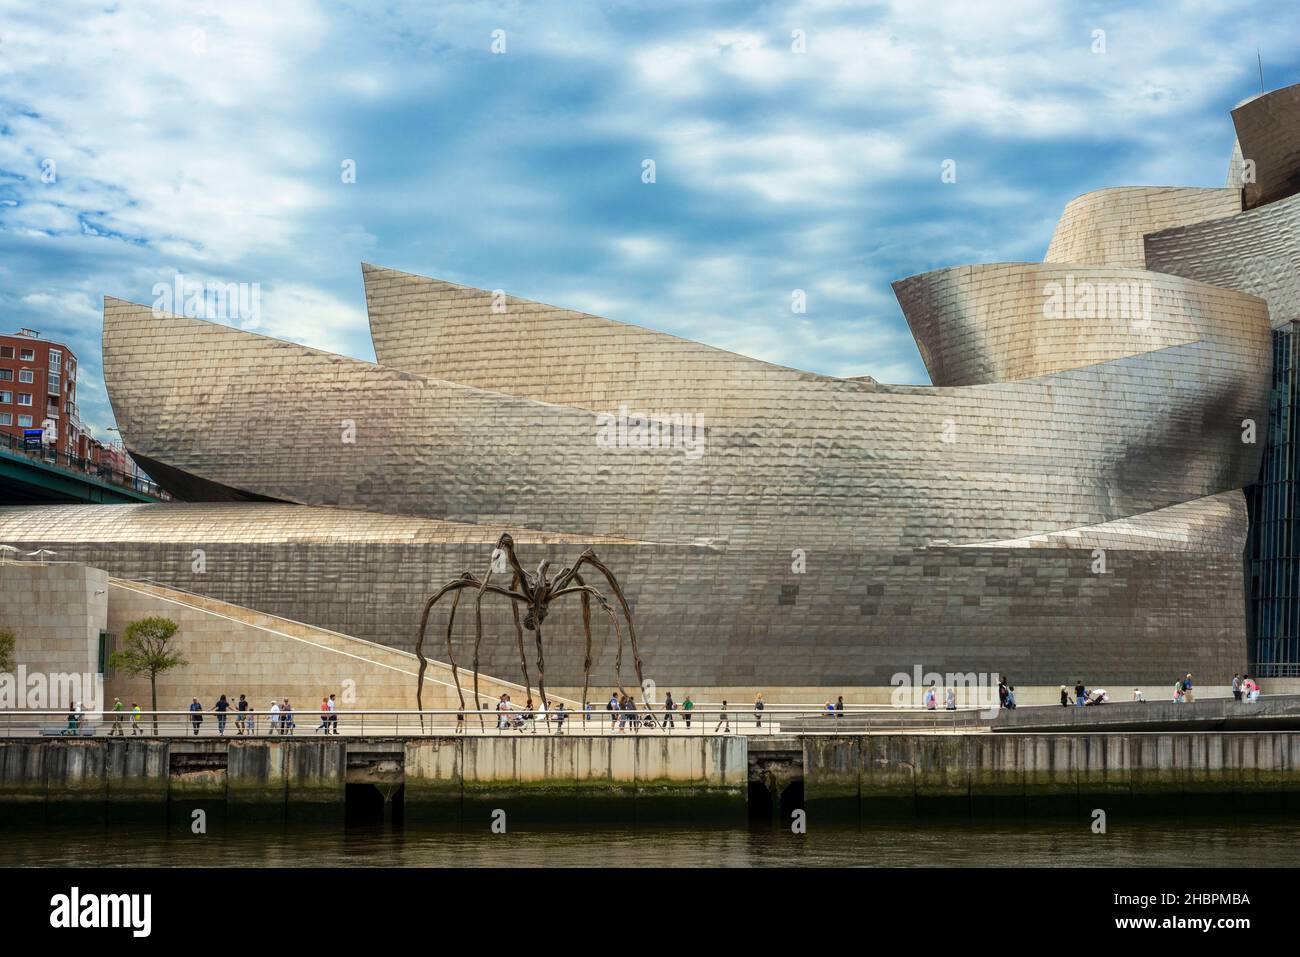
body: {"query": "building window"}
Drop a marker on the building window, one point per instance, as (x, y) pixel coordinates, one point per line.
(25, 421)
(56, 359)
(6, 352)
(27, 355)
(6, 396)
(26, 375)
(6, 375)
(6, 418)
(24, 398)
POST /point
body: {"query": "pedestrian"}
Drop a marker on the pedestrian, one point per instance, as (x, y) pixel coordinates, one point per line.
(287, 724)
(250, 720)
(950, 698)
(196, 714)
(221, 707)
(1011, 696)
(586, 712)
(502, 707)
(1080, 693)
(839, 707)
(117, 719)
(1249, 688)
(530, 719)
(1188, 696)
(1138, 695)
(722, 718)
(544, 716)
(324, 715)
(932, 698)
(1178, 691)
(559, 717)
(830, 710)
(1065, 697)
(135, 719)
(1236, 686)
(1002, 692)
(623, 710)
(629, 709)
(669, 707)
(241, 715)
(687, 707)
(334, 714)
(72, 720)
(274, 726)
(758, 711)
(612, 707)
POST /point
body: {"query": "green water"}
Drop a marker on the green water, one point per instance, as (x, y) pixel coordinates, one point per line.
(1217, 842)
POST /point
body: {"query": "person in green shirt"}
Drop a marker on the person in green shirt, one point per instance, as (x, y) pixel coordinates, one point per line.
(135, 719)
(118, 708)
(687, 707)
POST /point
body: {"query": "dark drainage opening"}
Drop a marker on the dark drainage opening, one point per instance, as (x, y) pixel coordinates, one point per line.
(791, 799)
(759, 801)
(365, 803)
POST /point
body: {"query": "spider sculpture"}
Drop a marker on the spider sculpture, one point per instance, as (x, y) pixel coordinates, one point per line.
(534, 592)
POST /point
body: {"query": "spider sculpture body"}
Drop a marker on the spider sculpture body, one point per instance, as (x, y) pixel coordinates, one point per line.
(530, 598)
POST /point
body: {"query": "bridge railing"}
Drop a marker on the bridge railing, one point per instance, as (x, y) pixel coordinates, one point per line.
(96, 470)
(700, 720)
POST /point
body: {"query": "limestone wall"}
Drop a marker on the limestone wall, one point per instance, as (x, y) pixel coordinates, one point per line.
(56, 612)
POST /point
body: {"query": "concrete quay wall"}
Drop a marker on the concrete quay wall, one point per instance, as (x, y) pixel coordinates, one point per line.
(1014, 774)
(445, 778)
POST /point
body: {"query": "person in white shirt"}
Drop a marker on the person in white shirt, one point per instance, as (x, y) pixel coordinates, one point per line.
(274, 722)
(1138, 695)
(334, 715)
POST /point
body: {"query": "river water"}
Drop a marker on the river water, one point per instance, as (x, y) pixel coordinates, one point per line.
(1260, 841)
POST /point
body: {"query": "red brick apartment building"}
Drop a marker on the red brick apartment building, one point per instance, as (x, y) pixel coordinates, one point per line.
(38, 385)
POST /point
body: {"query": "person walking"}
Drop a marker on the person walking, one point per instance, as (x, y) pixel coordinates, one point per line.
(758, 711)
(669, 707)
(629, 709)
(612, 707)
(221, 707)
(274, 724)
(1188, 696)
(287, 724)
(324, 715)
(117, 729)
(1065, 697)
(196, 714)
(1080, 693)
(334, 714)
(135, 719)
(722, 718)
(687, 707)
(559, 717)
(1236, 686)
(839, 707)
(950, 699)
(241, 715)
(932, 698)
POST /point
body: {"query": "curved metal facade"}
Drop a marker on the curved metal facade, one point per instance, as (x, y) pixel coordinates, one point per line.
(1083, 406)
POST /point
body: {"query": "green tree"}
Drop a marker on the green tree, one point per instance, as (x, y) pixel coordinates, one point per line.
(148, 649)
(7, 642)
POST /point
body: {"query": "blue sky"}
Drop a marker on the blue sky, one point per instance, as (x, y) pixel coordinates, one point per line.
(208, 140)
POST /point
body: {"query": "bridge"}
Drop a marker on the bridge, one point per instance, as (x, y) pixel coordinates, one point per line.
(28, 478)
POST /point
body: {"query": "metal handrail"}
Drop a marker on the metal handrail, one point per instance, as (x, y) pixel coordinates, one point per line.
(701, 719)
(95, 470)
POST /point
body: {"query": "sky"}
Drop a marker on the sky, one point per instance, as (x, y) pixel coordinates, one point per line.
(795, 146)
